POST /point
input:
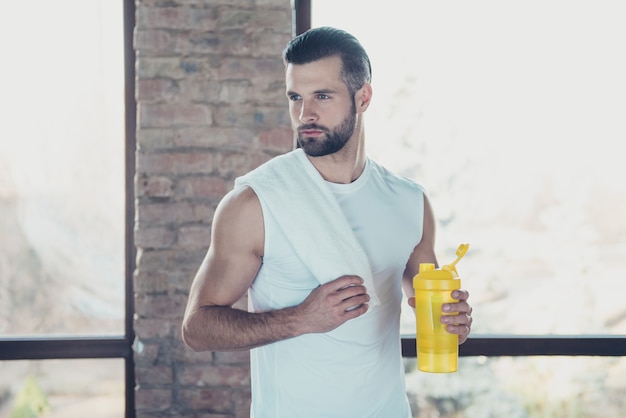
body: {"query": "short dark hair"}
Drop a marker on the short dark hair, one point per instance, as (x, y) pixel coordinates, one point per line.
(324, 42)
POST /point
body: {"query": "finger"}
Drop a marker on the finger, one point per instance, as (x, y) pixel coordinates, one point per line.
(461, 307)
(351, 291)
(356, 311)
(460, 294)
(460, 330)
(354, 302)
(461, 319)
(344, 281)
(412, 302)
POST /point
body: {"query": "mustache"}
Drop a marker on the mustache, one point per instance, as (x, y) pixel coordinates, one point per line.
(312, 126)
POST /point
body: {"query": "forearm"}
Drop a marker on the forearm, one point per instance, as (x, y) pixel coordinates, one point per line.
(221, 328)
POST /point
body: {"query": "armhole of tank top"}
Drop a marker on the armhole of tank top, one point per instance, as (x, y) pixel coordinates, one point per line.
(265, 234)
(421, 208)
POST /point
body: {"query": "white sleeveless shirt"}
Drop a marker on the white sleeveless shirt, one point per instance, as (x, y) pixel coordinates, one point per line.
(355, 370)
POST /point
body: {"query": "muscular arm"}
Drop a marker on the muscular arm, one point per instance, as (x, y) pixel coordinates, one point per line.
(424, 252)
(229, 268)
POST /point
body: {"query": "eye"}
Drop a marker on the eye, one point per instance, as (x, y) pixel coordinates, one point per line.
(323, 96)
(294, 97)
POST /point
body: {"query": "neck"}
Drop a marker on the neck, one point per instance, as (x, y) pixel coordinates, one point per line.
(347, 164)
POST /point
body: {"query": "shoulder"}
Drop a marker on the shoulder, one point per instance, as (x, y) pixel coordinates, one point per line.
(239, 217)
(394, 180)
(267, 172)
(240, 198)
(241, 201)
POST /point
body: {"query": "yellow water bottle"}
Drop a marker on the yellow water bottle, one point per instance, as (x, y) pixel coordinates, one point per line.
(437, 349)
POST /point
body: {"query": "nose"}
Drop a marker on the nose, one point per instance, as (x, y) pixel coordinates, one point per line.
(308, 113)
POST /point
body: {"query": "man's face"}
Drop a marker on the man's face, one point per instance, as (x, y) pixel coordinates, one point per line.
(322, 110)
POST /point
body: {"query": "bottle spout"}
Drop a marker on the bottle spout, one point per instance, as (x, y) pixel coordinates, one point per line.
(460, 252)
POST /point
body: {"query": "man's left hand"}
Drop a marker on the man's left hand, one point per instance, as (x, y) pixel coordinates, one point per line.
(460, 324)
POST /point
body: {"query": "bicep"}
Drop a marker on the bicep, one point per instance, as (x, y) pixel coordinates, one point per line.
(235, 254)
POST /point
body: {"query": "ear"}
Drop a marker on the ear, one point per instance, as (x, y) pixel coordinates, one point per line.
(363, 98)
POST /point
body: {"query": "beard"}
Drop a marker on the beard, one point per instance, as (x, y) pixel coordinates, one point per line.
(331, 141)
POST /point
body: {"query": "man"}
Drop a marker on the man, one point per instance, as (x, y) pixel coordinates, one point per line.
(321, 347)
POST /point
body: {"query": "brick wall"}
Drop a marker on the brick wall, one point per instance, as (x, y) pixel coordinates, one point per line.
(211, 106)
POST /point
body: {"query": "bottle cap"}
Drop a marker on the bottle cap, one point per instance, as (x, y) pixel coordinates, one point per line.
(426, 266)
(460, 252)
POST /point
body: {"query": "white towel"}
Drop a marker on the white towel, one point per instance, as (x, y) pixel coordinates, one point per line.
(310, 217)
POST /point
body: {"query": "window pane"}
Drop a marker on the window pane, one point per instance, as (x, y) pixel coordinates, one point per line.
(521, 387)
(511, 115)
(62, 168)
(62, 388)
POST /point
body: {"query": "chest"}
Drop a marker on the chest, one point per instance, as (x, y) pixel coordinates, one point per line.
(387, 224)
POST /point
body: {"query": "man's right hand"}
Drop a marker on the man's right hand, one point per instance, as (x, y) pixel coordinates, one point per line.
(333, 303)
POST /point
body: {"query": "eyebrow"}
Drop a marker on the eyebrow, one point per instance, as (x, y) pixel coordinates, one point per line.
(321, 91)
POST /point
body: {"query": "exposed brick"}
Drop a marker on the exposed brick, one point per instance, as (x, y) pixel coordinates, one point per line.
(269, 44)
(169, 261)
(197, 43)
(236, 91)
(188, 356)
(177, 281)
(230, 164)
(153, 186)
(155, 237)
(244, 4)
(194, 236)
(236, 44)
(176, 114)
(242, 401)
(211, 415)
(151, 139)
(153, 282)
(150, 328)
(249, 68)
(175, 67)
(236, 18)
(154, 40)
(243, 411)
(159, 89)
(145, 354)
(265, 18)
(155, 375)
(160, 306)
(249, 116)
(202, 187)
(270, 92)
(159, 67)
(200, 90)
(164, 213)
(278, 138)
(211, 106)
(218, 400)
(152, 399)
(196, 414)
(232, 357)
(203, 212)
(176, 163)
(177, 17)
(278, 4)
(206, 375)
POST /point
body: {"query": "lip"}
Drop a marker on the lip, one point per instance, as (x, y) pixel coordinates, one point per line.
(311, 132)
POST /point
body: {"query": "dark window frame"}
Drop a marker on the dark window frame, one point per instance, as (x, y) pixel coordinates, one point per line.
(504, 345)
(48, 348)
